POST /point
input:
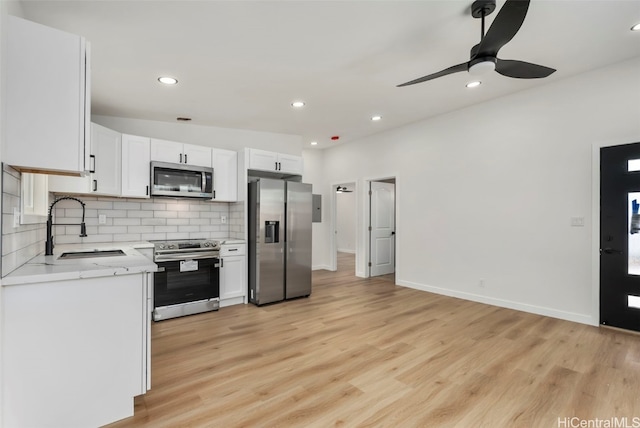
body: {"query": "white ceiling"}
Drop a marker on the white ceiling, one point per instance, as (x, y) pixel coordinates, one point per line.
(241, 63)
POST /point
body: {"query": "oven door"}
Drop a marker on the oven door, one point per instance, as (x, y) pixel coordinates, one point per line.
(186, 281)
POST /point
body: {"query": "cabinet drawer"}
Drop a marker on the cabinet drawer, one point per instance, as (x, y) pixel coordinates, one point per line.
(232, 250)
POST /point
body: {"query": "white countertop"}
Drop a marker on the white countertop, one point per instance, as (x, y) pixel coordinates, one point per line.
(50, 268)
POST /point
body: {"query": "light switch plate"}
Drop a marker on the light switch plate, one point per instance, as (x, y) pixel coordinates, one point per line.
(102, 219)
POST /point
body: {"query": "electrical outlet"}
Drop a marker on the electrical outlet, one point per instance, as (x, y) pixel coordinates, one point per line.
(16, 217)
(577, 221)
(223, 219)
(102, 219)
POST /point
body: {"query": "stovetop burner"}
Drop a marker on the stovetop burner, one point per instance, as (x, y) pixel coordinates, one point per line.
(191, 244)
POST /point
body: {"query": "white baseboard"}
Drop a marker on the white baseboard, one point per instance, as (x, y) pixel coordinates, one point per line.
(321, 267)
(539, 310)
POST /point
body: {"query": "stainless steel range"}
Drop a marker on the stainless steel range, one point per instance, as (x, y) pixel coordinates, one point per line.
(188, 278)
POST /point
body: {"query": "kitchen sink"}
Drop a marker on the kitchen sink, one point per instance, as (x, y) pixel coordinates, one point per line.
(93, 253)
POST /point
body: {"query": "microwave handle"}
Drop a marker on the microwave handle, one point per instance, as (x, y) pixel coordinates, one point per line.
(204, 179)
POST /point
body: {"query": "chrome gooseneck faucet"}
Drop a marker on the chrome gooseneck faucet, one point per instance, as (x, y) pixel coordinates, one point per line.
(48, 250)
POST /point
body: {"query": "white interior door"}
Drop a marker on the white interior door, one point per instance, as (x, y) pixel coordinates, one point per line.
(383, 223)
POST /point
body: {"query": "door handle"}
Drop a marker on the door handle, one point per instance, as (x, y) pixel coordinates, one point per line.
(609, 251)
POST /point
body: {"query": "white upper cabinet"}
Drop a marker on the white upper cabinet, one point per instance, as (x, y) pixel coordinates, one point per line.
(174, 152)
(104, 166)
(225, 175)
(136, 170)
(197, 155)
(106, 156)
(289, 163)
(47, 99)
(277, 162)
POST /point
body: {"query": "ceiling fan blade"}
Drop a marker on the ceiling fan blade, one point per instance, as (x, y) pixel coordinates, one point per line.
(455, 69)
(504, 27)
(522, 70)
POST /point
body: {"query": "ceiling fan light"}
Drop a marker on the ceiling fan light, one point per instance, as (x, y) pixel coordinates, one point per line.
(636, 27)
(473, 84)
(482, 67)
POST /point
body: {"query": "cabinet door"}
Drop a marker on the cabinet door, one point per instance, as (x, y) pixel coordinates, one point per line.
(166, 151)
(106, 146)
(263, 160)
(225, 175)
(46, 76)
(136, 170)
(197, 155)
(232, 277)
(70, 185)
(289, 163)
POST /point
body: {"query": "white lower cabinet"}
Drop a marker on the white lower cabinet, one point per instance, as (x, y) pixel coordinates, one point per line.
(233, 274)
(74, 350)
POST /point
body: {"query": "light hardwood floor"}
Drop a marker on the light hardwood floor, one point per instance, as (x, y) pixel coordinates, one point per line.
(367, 353)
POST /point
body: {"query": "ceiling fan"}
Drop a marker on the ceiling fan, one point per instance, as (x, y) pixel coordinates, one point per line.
(484, 55)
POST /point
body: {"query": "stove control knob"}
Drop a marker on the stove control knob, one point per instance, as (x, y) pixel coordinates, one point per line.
(161, 246)
(207, 244)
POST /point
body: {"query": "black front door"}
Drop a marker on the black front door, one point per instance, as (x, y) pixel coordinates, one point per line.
(620, 236)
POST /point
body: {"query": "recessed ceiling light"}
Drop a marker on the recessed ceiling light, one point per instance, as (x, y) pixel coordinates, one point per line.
(314, 143)
(473, 84)
(636, 27)
(376, 118)
(167, 80)
(297, 104)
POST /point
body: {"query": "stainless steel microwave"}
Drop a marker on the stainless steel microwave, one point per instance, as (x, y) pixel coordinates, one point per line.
(178, 180)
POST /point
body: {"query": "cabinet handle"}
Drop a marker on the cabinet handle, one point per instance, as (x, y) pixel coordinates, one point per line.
(185, 158)
(232, 249)
(92, 168)
(147, 190)
(221, 263)
(95, 185)
(276, 166)
(180, 157)
(279, 166)
(214, 194)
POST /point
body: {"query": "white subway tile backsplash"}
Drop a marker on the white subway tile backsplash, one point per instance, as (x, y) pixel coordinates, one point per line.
(188, 214)
(21, 243)
(140, 214)
(127, 237)
(177, 221)
(153, 221)
(130, 206)
(131, 219)
(127, 221)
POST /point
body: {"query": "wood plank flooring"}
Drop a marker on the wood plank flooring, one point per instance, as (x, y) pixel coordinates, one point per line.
(366, 353)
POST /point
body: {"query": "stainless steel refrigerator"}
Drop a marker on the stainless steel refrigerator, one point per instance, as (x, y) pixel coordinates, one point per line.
(279, 240)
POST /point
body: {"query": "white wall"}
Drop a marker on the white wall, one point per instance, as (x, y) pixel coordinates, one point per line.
(486, 193)
(346, 220)
(314, 174)
(221, 138)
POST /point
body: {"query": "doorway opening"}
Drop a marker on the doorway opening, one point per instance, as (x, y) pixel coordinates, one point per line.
(345, 226)
(381, 227)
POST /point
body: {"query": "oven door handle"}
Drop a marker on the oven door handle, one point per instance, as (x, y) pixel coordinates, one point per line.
(182, 256)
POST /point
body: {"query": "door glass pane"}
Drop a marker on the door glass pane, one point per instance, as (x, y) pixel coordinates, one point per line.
(634, 233)
(633, 165)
